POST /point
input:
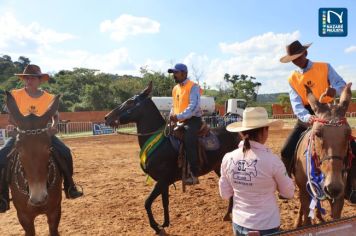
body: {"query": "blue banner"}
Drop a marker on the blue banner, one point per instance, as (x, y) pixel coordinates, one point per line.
(101, 128)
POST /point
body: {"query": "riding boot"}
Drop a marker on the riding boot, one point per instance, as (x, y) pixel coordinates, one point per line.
(70, 189)
(4, 192)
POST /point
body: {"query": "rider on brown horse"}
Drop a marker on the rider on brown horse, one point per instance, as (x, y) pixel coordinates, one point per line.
(325, 83)
(32, 100)
(186, 108)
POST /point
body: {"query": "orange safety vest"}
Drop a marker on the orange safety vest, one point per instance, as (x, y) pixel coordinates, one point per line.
(316, 79)
(29, 105)
(181, 96)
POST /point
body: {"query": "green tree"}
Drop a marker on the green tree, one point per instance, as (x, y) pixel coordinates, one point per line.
(284, 101)
(243, 86)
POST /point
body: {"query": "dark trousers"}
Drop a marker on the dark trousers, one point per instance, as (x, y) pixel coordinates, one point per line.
(192, 127)
(288, 149)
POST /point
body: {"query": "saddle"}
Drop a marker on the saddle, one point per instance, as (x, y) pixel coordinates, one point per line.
(208, 141)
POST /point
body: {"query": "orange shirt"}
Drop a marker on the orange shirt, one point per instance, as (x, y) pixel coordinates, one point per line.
(316, 79)
(29, 105)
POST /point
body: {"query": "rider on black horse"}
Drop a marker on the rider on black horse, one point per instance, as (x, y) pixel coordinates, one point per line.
(321, 78)
(186, 108)
(31, 99)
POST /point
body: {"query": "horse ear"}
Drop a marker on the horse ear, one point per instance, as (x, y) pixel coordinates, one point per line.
(314, 102)
(147, 91)
(51, 110)
(345, 99)
(14, 111)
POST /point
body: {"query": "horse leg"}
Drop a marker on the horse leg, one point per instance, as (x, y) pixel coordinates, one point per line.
(27, 224)
(157, 190)
(165, 201)
(227, 216)
(319, 215)
(336, 208)
(53, 221)
(303, 218)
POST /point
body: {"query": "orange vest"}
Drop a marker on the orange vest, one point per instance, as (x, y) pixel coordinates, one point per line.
(316, 78)
(29, 105)
(181, 96)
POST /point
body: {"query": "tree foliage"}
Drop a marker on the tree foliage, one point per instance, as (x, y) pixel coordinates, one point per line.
(85, 89)
(243, 86)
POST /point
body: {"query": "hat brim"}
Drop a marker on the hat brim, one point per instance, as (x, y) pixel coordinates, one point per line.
(43, 77)
(289, 58)
(172, 70)
(237, 126)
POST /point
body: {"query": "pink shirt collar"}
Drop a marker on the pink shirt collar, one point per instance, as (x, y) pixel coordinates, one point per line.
(254, 144)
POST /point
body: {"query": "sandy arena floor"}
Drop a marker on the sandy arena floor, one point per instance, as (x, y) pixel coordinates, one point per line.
(115, 190)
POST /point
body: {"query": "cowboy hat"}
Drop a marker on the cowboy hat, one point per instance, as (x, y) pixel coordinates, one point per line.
(294, 50)
(253, 118)
(33, 70)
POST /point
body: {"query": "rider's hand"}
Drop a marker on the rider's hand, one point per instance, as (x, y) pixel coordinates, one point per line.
(330, 92)
(311, 119)
(173, 118)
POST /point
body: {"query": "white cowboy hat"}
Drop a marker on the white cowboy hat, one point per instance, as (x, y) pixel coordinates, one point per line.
(253, 118)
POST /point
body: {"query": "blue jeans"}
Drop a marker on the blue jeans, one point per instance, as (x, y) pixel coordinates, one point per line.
(242, 231)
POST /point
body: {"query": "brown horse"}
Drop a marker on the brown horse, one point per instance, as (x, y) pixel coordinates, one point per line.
(328, 141)
(35, 180)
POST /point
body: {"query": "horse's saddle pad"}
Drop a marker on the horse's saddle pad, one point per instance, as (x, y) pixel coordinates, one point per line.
(209, 142)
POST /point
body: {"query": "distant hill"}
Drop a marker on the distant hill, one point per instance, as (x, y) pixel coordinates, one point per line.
(268, 98)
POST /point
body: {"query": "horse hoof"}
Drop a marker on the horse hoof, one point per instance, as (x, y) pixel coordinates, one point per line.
(162, 232)
(227, 217)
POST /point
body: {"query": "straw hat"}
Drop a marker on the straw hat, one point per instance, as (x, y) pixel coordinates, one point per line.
(33, 70)
(294, 50)
(253, 118)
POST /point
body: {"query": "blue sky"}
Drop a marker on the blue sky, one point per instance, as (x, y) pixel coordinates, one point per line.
(211, 37)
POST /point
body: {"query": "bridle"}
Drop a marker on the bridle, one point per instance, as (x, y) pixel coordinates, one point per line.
(18, 169)
(138, 101)
(334, 123)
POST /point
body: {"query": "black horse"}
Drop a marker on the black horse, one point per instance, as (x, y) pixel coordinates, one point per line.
(162, 165)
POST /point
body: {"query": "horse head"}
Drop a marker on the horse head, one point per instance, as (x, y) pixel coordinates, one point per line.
(129, 111)
(331, 134)
(33, 146)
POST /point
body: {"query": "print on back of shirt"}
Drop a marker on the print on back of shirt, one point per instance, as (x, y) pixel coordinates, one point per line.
(245, 171)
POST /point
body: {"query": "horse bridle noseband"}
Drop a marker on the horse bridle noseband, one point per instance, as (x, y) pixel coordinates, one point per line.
(335, 123)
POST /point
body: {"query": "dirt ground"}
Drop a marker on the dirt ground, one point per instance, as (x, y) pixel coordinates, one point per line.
(115, 190)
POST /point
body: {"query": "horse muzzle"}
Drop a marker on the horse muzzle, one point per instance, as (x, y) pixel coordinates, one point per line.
(333, 191)
(38, 198)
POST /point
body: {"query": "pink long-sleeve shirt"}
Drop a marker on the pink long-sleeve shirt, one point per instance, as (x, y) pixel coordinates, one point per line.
(252, 180)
